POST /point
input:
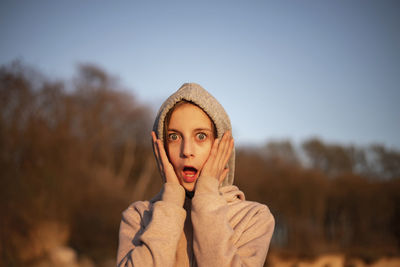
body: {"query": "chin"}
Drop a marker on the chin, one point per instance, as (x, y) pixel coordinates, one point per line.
(189, 188)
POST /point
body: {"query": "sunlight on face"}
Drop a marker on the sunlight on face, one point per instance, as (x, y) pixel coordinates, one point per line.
(190, 137)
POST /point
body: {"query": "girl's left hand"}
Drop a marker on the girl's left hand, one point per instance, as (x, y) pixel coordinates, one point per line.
(221, 151)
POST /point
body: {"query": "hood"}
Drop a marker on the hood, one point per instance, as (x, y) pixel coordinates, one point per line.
(198, 95)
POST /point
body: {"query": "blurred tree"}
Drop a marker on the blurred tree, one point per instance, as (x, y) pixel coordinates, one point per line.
(386, 163)
(314, 213)
(281, 151)
(334, 159)
(72, 157)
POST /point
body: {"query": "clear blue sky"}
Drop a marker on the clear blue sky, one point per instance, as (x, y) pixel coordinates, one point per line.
(282, 69)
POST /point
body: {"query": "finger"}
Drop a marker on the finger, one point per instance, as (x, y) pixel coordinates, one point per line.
(220, 148)
(223, 175)
(223, 149)
(168, 169)
(229, 152)
(164, 159)
(156, 149)
(163, 154)
(209, 165)
(214, 149)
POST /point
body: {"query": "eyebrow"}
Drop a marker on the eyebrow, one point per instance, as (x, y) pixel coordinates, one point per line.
(195, 130)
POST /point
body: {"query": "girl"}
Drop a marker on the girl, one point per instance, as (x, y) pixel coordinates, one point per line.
(199, 218)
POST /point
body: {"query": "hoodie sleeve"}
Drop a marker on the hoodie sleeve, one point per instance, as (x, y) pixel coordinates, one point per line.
(215, 242)
(153, 244)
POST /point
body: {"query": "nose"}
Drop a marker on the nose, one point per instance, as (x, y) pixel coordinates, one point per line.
(187, 149)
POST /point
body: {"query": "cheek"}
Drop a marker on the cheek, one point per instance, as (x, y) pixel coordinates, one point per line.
(173, 154)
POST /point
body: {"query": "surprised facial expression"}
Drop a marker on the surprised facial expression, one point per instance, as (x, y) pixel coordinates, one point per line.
(190, 136)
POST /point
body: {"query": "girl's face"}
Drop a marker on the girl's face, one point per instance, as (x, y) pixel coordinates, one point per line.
(190, 136)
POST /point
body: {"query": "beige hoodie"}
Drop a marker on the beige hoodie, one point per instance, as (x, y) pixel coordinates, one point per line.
(217, 227)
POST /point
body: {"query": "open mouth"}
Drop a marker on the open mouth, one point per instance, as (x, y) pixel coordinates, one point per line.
(189, 174)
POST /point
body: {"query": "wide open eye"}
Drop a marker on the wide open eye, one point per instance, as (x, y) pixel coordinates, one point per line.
(201, 136)
(173, 137)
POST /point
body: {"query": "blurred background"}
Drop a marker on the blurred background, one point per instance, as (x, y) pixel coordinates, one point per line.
(312, 89)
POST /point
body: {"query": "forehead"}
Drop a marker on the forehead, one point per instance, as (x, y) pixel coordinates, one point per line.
(189, 116)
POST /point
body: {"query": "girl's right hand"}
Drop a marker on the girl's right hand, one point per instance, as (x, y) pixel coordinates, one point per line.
(164, 166)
